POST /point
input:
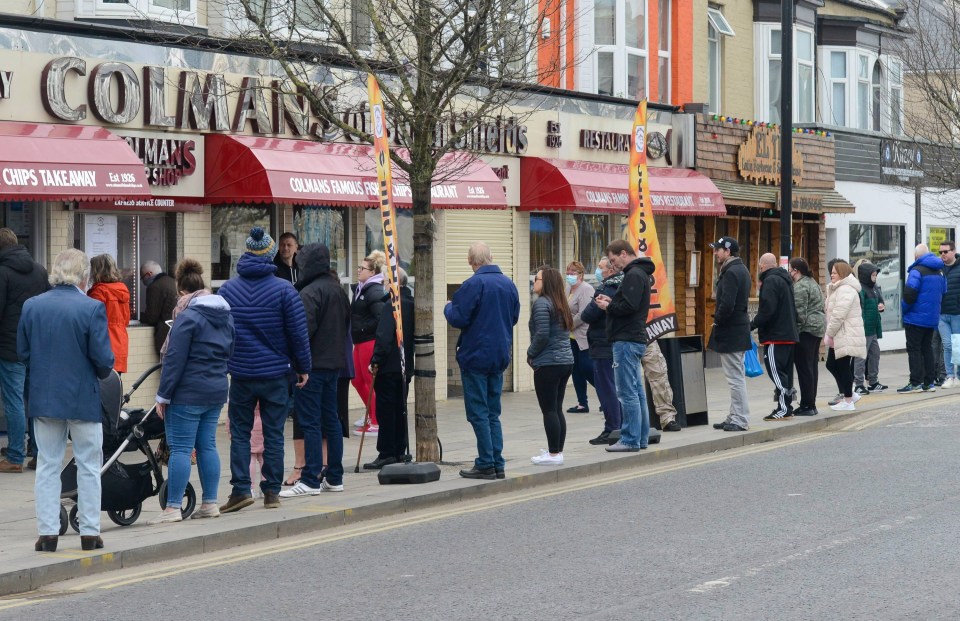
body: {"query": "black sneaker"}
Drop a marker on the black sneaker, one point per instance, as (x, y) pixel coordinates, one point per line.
(380, 462)
(578, 409)
(860, 390)
(910, 388)
(672, 426)
(500, 472)
(479, 473)
(878, 387)
(720, 425)
(807, 411)
(733, 427)
(777, 415)
(601, 439)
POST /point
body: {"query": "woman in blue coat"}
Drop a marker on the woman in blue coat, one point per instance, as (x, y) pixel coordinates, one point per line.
(193, 389)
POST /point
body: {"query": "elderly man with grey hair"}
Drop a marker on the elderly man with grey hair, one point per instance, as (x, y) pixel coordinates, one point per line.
(485, 308)
(392, 382)
(63, 341)
(161, 298)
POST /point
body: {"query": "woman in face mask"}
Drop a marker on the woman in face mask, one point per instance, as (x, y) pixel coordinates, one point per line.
(580, 294)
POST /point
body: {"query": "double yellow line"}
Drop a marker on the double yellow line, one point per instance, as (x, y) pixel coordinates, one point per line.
(116, 579)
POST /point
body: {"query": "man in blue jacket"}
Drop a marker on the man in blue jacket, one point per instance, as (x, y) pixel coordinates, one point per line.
(485, 308)
(271, 340)
(62, 339)
(922, 296)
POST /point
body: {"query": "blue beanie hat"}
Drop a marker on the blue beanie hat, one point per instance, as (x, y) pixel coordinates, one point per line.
(261, 244)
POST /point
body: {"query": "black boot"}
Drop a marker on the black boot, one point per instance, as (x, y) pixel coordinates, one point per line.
(479, 473)
(46, 543)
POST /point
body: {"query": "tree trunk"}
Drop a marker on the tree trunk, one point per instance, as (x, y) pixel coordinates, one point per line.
(425, 416)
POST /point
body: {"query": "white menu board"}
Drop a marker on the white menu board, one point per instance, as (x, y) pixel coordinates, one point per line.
(100, 235)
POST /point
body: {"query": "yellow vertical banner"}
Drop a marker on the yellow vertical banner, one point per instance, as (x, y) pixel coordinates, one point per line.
(642, 231)
(388, 216)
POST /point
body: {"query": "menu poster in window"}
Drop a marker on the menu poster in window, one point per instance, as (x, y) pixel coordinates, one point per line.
(151, 240)
(100, 235)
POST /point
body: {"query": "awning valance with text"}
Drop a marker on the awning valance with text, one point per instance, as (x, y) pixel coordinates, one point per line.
(242, 169)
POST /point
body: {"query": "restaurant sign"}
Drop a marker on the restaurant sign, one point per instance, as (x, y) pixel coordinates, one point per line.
(758, 159)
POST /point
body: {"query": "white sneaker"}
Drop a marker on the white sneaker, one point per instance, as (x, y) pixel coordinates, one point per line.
(166, 517)
(359, 423)
(546, 459)
(949, 383)
(843, 406)
(327, 487)
(857, 397)
(300, 489)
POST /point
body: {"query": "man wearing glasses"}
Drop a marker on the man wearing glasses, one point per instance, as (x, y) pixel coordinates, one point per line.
(950, 309)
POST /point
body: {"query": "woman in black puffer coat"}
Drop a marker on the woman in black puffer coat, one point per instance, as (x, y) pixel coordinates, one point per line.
(365, 311)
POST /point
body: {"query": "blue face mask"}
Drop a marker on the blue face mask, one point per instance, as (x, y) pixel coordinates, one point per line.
(598, 274)
(571, 279)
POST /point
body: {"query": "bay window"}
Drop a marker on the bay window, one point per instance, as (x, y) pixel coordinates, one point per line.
(768, 43)
(838, 87)
(620, 47)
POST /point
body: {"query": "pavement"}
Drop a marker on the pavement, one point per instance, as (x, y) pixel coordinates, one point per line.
(364, 499)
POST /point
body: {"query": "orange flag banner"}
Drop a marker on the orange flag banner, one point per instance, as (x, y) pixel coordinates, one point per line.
(388, 215)
(642, 231)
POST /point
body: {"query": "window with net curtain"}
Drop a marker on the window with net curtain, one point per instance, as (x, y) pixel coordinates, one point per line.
(591, 236)
(230, 226)
(316, 224)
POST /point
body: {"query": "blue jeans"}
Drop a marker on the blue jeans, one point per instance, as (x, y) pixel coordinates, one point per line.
(582, 372)
(606, 387)
(12, 375)
(949, 325)
(316, 405)
(635, 429)
(245, 394)
(51, 436)
(481, 399)
(189, 427)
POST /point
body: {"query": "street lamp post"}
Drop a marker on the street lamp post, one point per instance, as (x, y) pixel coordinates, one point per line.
(786, 129)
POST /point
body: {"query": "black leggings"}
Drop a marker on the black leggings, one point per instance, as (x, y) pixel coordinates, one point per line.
(550, 382)
(842, 370)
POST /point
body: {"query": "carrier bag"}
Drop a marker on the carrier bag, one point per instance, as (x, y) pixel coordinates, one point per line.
(955, 345)
(406, 473)
(751, 361)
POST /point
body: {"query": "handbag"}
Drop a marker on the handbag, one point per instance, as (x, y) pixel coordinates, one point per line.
(955, 346)
(751, 361)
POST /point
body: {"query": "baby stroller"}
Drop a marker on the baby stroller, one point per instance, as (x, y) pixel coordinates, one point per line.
(124, 486)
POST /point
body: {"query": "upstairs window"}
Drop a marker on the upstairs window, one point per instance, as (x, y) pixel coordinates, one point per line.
(768, 43)
(620, 47)
(717, 28)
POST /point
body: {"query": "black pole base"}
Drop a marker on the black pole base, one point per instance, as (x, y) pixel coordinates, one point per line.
(409, 473)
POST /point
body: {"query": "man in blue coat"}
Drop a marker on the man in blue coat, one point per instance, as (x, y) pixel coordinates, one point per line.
(922, 296)
(271, 342)
(485, 308)
(62, 339)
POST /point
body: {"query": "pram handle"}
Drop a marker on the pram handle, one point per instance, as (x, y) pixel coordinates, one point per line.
(140, 380)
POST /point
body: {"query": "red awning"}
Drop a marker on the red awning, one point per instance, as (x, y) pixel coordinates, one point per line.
(242, 169)
(67, 162)
(547, 184)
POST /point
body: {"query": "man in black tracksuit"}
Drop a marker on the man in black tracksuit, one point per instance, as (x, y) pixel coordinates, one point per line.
(776, 323)
(390, 385)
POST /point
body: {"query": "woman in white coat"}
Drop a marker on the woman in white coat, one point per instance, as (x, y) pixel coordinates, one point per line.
(845, 337)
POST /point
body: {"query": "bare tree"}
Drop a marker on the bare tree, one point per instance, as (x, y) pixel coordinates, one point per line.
(445, 67)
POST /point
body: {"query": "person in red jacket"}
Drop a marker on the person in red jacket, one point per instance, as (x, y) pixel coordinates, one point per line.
(108, 288)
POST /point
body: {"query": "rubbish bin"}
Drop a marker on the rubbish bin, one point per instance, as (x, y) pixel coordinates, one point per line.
(684, 357)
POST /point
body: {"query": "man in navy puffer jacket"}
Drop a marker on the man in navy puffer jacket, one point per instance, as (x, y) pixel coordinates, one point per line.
(922, 295)
(271, 339)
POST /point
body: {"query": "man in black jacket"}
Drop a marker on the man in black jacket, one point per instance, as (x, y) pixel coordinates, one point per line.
(161, 299)
(390, 385)
(328, 319)
(601, 351)
(776, 325)
(21, 278)
(730, 334)
(626, 326)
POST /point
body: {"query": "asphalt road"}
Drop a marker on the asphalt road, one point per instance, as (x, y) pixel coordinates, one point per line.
(848, 525)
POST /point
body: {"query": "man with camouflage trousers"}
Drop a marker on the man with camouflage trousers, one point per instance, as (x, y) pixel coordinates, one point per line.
(655, 370)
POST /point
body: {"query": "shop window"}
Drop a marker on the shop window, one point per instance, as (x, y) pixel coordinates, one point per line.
(767, 239)
(24, 219)
(883, 245)
(544, 241)
(231, 226)
(768, 73)
(936, 235)
(403, 237)
(591, 235)
(131, 240)
(324, 225)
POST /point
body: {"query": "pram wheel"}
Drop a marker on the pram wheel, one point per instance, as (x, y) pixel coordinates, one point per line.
(64, 521)
(125, 517)
(74, 518)
(189, 499)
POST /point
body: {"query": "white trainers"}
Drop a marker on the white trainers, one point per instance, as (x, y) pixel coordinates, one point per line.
(856, 397)
(844, 406)
(300, 489)
(546, 459)
(950, 383)
(166, 517)
(327, 487)
(360, 422)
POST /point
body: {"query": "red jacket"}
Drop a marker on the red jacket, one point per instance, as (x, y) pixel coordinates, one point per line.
(116, 297)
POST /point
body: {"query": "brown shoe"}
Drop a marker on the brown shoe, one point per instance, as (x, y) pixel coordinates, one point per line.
(271, 500)
(32, 464)
(235, 503)
(91, 542)
(6, 466)
(46, 543)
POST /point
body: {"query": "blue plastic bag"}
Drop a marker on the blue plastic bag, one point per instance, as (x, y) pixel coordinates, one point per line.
(751, 363)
